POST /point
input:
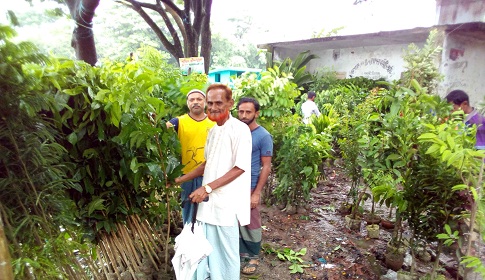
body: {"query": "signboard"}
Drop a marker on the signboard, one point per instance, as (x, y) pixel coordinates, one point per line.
(191, 64)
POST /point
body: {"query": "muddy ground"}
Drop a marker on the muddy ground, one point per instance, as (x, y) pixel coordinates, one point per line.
(333, 251)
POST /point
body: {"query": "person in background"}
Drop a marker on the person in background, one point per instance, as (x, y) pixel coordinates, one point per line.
(227, 176)
(309, 108)
(262, 152)
(460, 101)
(192, 129)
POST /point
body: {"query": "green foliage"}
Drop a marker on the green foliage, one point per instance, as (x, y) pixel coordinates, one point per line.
(287, 254)
(448, 237)
(114, 124)
(83, 148)
(452, 143)
(327, 80)
(344, 95)
(298, 160)
(34, 176)
(421, 64)
(275, 92)
(236, 53)
(296, 68)
(327, 121)
(381, 151)
(475, 262)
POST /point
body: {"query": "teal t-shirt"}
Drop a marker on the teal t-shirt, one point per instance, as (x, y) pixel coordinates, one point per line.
(262, 147)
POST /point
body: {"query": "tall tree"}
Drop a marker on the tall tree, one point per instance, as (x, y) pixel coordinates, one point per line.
(82, 11)
(187, 27)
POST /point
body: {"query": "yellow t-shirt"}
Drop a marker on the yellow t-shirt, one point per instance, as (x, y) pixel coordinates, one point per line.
(192, 135)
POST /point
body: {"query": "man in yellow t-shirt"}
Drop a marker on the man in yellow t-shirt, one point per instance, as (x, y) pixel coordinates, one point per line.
(192, 129)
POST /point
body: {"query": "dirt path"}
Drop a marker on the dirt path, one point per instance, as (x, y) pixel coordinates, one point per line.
(333, 251)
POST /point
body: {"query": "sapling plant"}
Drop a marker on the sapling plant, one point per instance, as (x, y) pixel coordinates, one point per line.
(287, 254)
(453, 143)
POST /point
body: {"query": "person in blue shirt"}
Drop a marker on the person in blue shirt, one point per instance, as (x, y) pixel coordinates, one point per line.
(262, 151)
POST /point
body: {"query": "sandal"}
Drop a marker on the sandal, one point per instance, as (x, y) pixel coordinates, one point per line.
(244, 262)
(250, 268)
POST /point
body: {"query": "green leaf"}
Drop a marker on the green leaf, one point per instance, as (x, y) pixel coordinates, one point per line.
(433, 149)
(96, 204)
(302, 252)
(427, 136)
(451, 141)
(442, 236)
(445, 155)
(90, 153)
(459, 187)
(115, 112)
(454, 158)
(393, 157)
(448, 229)
(72, 138)
(307, 170)
(373, 117)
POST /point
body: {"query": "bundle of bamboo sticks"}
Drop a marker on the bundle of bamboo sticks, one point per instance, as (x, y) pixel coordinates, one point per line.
(126, 249)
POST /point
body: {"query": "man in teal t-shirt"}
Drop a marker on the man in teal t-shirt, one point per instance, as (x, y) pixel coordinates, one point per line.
(262, 152)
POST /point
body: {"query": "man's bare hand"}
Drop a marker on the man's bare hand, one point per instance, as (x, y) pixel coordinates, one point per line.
(176, 182)
(198, 195)
(255, 200)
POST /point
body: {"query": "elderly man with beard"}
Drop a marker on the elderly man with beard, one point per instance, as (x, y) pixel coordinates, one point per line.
(227, 176)
(262, 152)
(192, 129)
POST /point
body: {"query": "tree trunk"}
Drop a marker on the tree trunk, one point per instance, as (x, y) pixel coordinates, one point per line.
(5, 260)
(82, 11)
(206, 37)
(192, 22)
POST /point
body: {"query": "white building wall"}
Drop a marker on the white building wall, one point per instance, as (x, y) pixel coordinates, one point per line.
(372, 62)
(463, 65)
(460, 11)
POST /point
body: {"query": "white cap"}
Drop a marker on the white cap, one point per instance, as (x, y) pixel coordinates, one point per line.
(194, 91)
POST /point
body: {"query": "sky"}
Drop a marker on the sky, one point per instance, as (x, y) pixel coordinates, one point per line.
(286, 20)
(283, 20)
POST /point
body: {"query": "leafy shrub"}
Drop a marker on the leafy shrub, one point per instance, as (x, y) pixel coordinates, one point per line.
(298, 161)
(40, 221)
(275, 92)
(91, 149)
(421, 64)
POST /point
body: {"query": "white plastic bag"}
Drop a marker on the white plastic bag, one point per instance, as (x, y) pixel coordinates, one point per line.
(190, 249)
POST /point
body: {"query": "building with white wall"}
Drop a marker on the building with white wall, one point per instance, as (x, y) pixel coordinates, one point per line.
(461, 24)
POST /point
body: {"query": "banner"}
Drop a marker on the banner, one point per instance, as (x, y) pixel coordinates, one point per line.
(191, 64)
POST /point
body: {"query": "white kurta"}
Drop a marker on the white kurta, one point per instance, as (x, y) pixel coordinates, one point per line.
(227, 146)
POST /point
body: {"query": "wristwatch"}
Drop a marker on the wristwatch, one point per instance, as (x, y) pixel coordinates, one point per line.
(208, 189)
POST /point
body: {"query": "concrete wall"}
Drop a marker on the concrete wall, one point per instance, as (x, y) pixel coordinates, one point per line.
(463, 65)
(372, 62)
(460, 11)
(462, 62)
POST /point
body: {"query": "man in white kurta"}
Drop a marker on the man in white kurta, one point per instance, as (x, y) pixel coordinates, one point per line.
(226, 184)
(227, 146)
(309, 108)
